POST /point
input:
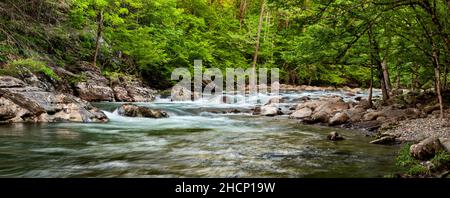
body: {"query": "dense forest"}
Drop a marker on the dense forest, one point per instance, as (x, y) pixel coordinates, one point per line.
(388, 44)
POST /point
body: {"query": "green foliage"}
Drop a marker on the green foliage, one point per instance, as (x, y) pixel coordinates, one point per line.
(404, 159)
(412, 166)
(23, 66)
(312, 42)
(441, 161)
(409, 164)
(77, 79)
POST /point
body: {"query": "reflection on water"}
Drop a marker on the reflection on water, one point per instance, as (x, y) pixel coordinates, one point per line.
(188, 144)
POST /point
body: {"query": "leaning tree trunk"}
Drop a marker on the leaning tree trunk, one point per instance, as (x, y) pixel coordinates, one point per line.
(99, 35)
(258, 36)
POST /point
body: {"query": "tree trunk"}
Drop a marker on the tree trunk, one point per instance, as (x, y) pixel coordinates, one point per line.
(258, 36)
(398, 77)
(437, 76)
(99, 35)
(375, 58)
(370, 87)
(415, 78)
(242, 10)
(387, 79)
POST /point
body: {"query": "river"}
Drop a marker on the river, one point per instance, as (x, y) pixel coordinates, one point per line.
(193, 142)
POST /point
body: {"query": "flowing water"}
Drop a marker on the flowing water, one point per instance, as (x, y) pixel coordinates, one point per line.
(196, 141)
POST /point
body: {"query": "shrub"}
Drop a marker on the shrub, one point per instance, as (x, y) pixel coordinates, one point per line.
(20, 67)
(411, 165)
(441, 161)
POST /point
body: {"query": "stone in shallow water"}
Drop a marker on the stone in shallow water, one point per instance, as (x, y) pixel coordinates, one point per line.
(334, 136)
(386, 140)
(131, 110)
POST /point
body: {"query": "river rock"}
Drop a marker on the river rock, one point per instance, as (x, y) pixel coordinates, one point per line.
(339, 118)
(92, 92)
(10, 82)
(327, 109)
(302, 113)
(270, 110)
(121, 94)
(131, 110)
(372, 115)
(426, 149)
(276, 100)
(310, 104)
(445, 142)
(334, 136)
(139, 92)
(33, 104)
(385, 140)
(94, 86)
(301, 99)
(363, 104)
(179, 93)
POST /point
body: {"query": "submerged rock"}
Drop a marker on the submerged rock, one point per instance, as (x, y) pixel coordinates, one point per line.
(131, 110)
(334, 136)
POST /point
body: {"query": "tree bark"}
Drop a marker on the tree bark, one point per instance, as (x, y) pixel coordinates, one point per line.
(387, 79)
(99, 35)
(258, 36)
(398, 77)
(242, 10)
(375, 58)
(437, 76)
(370, 87)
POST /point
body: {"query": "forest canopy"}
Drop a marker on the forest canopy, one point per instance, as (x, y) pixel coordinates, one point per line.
(385, 43)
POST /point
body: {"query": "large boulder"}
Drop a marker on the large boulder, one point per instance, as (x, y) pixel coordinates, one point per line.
(339, 118)
(131, 110)
(93, 86)
(133, 91)
(179, 93)
(33, 104)
(426, 149)
(301, 113)
(327, 109)
(10, 82)
(445, 142)
(139, 92)
(91, 91)
(355, 114)
(270, 110)
(121, 94)
(310, 104)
